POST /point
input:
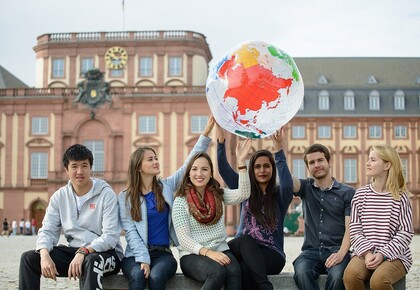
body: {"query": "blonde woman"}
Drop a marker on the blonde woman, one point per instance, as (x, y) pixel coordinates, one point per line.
(381, 227)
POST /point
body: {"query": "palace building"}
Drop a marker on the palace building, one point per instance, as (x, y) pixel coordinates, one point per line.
(114, 91)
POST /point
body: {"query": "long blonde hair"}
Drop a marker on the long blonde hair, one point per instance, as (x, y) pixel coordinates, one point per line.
(395, 181)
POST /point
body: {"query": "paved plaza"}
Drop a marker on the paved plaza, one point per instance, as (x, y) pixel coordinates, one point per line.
(12, 247)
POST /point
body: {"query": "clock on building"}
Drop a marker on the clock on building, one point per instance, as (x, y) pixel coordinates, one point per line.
(116, 57)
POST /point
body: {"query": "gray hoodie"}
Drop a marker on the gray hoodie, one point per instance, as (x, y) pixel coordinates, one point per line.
(96, 224)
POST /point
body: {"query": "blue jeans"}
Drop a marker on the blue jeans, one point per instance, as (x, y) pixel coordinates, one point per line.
(214, 275)
(162, 268)
(311, 263)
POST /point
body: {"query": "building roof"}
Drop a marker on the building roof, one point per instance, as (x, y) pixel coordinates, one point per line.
(8, 80)
(360, 72)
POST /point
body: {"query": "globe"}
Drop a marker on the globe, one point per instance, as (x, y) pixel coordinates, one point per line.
(254, 89)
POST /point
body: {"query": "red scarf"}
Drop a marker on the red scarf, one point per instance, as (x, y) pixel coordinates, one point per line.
(207, 211)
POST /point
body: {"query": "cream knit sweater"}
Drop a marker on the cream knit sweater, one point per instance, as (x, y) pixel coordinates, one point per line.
(192, 235)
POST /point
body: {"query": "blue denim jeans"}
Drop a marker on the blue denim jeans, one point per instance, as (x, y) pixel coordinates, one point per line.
(163, 266)
(311, 263)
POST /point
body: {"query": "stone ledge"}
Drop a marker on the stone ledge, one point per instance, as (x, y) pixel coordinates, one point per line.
(282, 281)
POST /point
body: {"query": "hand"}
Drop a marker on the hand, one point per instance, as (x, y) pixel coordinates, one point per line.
(242, 151)
(48, 269)
(277, 139)
(373, 261)
(220, 134)
(75, 267)
(219, 257)
(334, 259)
(146, 269)
(209, 127)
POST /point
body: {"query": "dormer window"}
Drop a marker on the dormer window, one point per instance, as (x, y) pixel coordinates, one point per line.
(349, 101)
(374, 101)
(323, 101)
(322, 80)
(371, 80)
(399, 100)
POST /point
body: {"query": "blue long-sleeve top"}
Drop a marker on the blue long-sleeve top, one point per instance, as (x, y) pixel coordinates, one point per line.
(272, 238)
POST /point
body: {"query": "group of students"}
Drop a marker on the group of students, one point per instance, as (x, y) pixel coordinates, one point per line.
(187, 208)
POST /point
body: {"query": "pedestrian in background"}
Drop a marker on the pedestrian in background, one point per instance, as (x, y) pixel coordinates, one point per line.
(21, 225)
(33, 226)
(14, 227)
(5, 228)
(28, 227)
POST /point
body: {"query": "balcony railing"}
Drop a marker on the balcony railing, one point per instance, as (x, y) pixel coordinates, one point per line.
(129, 91)
(121, 35)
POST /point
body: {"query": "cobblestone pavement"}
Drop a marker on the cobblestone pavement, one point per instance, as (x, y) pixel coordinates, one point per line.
(12, 247)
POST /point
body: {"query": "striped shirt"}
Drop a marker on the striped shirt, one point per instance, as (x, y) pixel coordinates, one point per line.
(382, 224)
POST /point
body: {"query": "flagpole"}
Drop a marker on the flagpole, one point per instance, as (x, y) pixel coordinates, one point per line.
(123, 16)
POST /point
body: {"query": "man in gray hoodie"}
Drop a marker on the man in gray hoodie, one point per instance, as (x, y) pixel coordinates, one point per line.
(86, 211)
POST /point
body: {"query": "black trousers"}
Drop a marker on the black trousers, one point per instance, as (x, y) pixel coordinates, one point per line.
(256, 262)
(94, 268)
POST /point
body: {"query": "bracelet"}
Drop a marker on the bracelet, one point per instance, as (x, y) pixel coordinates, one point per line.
(205, 254)
(82, 250)
(242, 167)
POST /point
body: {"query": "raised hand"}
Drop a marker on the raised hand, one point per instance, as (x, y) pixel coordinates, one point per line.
(209, 127)
(242, 150)
(277, 139)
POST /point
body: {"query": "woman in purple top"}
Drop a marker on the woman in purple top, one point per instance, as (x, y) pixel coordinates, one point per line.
(258, 245)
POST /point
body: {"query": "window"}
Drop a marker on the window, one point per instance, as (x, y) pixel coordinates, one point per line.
(399, 100)
(97, 148)
(302, 106)
(400, 131)
(39, 165)
(374, 104)
(349, 101)
(350, 166)
(175, 66)
(323, 101)
(39, 125)
(324, 132)
(198, 123)
(117, 72)
(58, 68)
(145, 67)
(299, 168)
(404, 163)
(87, 64)
(375, 132)
(147, 124)
(298, 132)
(349, 132)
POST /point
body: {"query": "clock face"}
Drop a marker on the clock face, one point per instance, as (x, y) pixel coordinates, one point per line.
(116, 57)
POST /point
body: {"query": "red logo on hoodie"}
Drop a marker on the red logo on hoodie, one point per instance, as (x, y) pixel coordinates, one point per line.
(92, 206)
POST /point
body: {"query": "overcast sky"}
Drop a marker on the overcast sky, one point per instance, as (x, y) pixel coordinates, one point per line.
(302, 28)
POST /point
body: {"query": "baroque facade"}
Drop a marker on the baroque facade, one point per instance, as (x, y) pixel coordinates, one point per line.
(155, 96)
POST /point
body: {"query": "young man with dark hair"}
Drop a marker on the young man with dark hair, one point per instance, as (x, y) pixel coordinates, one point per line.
(326, 211)
(86, 211)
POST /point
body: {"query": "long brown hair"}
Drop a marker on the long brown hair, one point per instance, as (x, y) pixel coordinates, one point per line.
(263, 206)
(135, 182)
(186, 184)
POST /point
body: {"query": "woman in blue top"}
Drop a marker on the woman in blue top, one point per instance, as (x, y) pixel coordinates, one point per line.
(145, 214)
(259, 242)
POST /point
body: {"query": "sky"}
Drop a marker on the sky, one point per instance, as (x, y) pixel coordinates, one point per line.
(302, 28)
